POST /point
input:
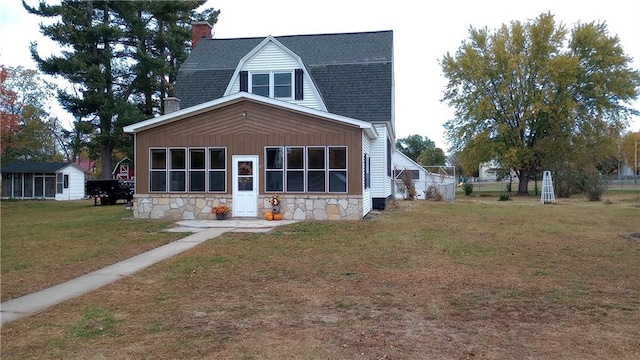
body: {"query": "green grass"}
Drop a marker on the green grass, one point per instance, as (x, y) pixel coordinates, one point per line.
(503, 280)
(47, 242)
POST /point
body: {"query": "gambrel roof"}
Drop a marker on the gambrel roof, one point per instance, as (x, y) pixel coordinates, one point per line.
(352, 71)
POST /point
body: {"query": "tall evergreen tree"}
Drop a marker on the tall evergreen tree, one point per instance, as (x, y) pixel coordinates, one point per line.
(110, 55)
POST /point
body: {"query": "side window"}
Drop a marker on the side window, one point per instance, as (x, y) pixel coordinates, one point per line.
(177, 169)
(197, 166)
(158, 170)
(295, 169)
(316, 169)
(274, 169)
(337, 169)
(217, 169)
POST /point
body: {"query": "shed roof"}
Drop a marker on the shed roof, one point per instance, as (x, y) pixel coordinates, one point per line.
(39, 167)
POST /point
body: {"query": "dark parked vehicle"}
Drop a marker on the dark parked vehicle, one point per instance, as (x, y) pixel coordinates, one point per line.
(110, 191)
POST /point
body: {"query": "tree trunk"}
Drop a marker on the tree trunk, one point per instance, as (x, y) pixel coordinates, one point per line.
(523, 185)
(107, 161)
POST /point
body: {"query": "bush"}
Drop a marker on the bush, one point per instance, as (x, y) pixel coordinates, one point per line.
(595, 185)
(468, 188)
(504, 197)
(433, 194)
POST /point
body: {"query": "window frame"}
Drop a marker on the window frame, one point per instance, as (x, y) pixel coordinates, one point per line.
(272, 83)
(188, 170)
(286, 171)
(158, 170)
(222, 170)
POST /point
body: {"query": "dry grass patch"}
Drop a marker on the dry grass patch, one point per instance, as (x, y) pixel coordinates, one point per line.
(473, 279)
(48, 242)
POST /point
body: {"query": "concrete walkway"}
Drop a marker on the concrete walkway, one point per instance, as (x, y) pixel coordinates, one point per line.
(202, 231)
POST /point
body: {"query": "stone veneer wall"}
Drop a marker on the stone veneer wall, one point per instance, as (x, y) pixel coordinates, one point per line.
(292, 207)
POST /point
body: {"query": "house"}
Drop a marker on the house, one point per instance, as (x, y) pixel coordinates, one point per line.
(422, 178)
(55, 180)
(307, 117)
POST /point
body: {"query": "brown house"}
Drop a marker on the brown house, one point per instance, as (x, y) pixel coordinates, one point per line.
(278, 124)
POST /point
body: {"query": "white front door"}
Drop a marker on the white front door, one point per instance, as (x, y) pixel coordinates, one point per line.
(245, 186)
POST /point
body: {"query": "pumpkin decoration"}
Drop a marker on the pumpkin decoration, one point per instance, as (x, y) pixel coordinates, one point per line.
(268, 215)
(277, 216)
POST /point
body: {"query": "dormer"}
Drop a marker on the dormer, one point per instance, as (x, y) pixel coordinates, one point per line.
(274, 71)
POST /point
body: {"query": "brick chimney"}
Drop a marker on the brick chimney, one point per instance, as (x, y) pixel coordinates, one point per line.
(200, 30)
(171, 104)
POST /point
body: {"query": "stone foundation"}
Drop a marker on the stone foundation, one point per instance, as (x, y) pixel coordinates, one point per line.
(292, 207)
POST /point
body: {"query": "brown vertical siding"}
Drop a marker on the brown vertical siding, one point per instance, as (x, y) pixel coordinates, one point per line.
(262, 126)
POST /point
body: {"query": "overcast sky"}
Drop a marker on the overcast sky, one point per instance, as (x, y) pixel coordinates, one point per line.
(423, 33)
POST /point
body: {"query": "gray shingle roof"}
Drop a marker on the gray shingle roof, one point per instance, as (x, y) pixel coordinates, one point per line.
(353, 71)
(47, 167)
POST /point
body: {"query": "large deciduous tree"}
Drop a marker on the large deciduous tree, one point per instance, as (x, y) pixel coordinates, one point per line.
(536, 96)
(29, 132)
(421, 149)
(119, 56)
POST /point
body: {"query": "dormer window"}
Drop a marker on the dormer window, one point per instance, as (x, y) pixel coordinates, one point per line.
(277, 85)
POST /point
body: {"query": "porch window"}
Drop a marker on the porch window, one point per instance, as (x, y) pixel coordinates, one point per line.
(337, 169)
(295, 169)
(28, 185)
(274, 169)
(17, 185)
(49, 186)
(217, 169)
(7, 185)
(177, 169)
(188, 169)
(317, 172)
(314, 169)
(158, 170)
(197, 166)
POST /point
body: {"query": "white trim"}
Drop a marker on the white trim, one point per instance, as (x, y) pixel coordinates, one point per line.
(249, 198)
(237, 97)
(270, 39)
